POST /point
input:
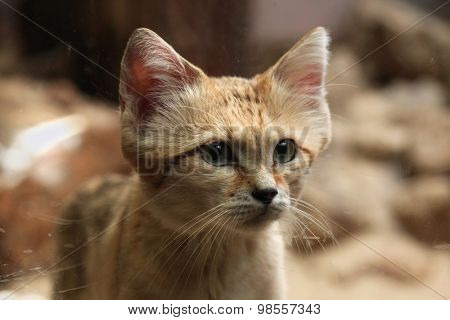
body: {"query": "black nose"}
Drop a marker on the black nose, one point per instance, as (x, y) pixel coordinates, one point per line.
(265, 195)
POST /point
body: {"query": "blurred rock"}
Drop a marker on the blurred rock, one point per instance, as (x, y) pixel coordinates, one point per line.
(378, 140)
(421, 46)
(423, 209)
(351, 193)
(430, 136)
(423, 93)
(371, 265)
(393, 125)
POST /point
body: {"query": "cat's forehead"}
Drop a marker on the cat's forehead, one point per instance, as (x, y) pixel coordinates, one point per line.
(240, 90)
(231, 83)
(242, 109)
(238, 101)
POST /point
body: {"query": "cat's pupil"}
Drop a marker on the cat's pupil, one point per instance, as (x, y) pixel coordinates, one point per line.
(284, 151)
(217, 153)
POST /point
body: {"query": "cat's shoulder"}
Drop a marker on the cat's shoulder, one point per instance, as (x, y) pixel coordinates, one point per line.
(103, 184)
(97, 199)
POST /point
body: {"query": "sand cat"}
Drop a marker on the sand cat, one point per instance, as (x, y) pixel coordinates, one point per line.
(218, 163)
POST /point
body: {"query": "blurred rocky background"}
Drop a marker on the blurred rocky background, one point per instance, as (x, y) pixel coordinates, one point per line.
(381, 189)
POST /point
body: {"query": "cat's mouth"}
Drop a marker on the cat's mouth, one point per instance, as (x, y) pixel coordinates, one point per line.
(262, 215)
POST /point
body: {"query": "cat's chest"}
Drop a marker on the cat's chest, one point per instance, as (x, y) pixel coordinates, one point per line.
(250, 273)
(244, 269)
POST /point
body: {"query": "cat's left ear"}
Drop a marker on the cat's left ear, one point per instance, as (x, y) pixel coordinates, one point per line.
(151, 70)
(303, 67)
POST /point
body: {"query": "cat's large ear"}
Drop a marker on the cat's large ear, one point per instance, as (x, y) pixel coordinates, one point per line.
(303, 67)
(151, 70)
(297, 87)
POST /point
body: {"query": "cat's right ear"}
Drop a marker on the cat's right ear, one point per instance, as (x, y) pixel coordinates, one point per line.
(150, 71)
(302, 69)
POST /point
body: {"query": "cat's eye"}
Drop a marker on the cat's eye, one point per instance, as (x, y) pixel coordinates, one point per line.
(284, 151)
(217, 153)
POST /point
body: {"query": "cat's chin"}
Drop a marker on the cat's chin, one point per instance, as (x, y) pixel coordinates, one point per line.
(261, 217)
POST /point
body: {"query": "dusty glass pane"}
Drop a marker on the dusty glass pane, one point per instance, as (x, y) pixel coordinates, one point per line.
(374, 219)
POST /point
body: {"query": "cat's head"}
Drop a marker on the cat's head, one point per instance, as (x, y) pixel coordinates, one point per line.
(225, 151)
